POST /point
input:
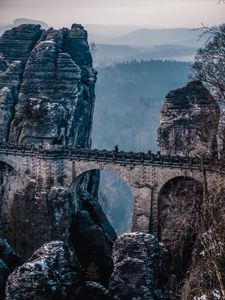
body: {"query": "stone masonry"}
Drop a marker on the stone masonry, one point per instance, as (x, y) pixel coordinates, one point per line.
(146, 174)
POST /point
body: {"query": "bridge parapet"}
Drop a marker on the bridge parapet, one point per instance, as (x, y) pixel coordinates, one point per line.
(145, 173)
(139, 158)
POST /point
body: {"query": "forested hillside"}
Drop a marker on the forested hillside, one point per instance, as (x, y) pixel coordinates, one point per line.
(129, 99)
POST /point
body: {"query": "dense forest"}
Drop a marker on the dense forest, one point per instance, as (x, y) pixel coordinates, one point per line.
(128, 102)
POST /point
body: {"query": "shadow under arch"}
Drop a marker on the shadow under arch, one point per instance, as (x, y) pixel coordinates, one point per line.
(180, 200)
(9, 181)
(113, 192)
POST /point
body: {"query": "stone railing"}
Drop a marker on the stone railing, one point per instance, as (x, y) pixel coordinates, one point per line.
(131, 158)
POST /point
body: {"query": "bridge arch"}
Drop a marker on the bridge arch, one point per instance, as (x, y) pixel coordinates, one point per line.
(176, 196)
(10, 162)
(114, 194)
(7, 169)
(179, 207)
(122, 172)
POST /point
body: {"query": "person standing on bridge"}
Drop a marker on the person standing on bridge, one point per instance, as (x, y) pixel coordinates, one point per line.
(116, 149)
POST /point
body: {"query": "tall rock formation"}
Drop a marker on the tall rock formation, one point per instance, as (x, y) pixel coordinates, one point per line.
(189, 121)
(46, 97)
(46, 86)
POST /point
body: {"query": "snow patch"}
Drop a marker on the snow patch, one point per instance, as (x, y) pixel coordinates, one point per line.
(203, 297)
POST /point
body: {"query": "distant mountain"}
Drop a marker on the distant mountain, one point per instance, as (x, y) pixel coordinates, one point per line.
(104, 33)
(96, 38)
(171, 52)
(109, 31)
(20, 21)
(110, 54)
(150, 37)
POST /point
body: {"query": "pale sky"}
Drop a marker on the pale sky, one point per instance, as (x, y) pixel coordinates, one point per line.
(164, 13)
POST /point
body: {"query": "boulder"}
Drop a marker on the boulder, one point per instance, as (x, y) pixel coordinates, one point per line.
(139, 271)
(52, 272)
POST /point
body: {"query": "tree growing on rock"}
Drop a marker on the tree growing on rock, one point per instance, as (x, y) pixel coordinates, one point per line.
(209, 67)
(210, 62)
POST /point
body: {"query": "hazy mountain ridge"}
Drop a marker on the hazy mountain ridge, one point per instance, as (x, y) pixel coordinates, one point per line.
(20, 21)
(149, 37)
(143, 43)
(108, 54)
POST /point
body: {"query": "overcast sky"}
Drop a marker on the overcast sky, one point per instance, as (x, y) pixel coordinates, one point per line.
(165, 13)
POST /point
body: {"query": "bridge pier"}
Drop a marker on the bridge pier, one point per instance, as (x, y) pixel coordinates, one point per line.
(154, 224)
(142, 208)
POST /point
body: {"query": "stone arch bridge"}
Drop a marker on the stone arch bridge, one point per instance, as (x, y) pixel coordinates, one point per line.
(145, 173)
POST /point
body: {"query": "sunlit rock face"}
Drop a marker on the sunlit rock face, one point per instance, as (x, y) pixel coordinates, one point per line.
(46, 86)
(189, 121)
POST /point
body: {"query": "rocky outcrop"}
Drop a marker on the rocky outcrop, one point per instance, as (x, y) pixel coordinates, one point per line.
(46, 97)
(91, 233)
(189, 121)
(52, 97)
(53, 272)
(139, 271)
(93, 236)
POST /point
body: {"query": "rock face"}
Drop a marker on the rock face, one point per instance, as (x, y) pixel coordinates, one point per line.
(10, 77)
(138, 268)
(53, 272)
(46, 86)
(8, 261)
(189, 121)
(38, 217)
(17, 43)
(92, 234)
